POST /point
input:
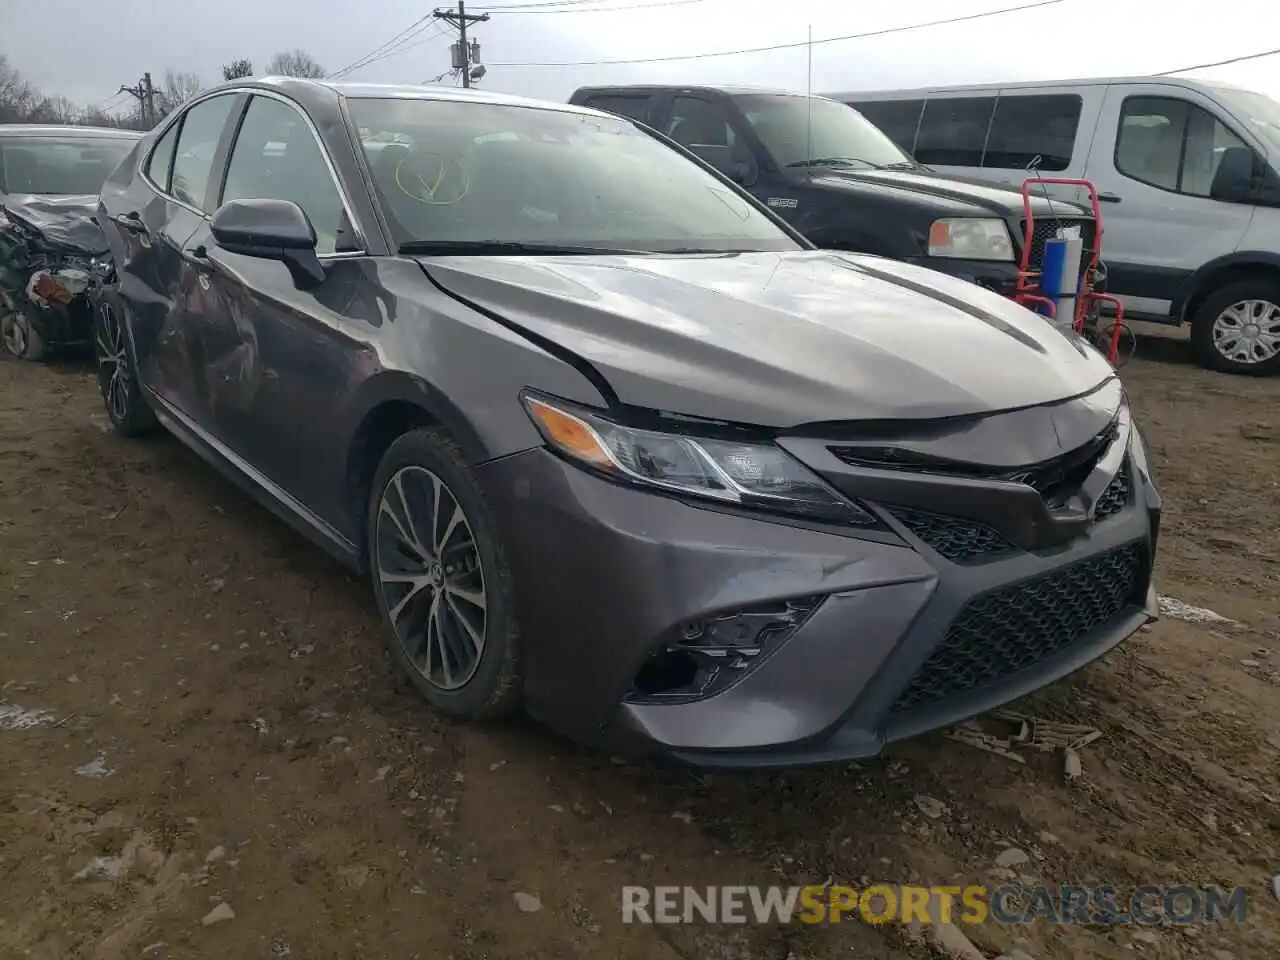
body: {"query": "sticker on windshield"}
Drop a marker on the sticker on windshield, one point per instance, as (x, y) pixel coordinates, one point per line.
(787, 202)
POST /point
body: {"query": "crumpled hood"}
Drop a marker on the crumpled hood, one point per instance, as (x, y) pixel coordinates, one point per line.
(63, 222)
(780, 339)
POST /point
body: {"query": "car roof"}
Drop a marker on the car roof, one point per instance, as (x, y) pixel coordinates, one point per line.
(731, 90)
(1031, 85)
(67, 130)
(314, 93)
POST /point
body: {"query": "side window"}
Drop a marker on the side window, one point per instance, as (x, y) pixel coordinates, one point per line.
(954, 131)
(1026, 127)
(702, 127)
(161, 160)
(197, 143)
(1208, 140)
(276, 157)
(897, 119)
(626, 105)
(1172, 144)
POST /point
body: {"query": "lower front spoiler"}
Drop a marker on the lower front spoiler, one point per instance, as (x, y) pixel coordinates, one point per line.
(854, 741)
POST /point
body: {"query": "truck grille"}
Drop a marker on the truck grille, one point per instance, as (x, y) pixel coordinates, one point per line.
(1012, 629)
(1046, 227)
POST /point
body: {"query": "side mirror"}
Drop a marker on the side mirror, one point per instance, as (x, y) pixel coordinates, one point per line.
(271, 230)
(1233, 180)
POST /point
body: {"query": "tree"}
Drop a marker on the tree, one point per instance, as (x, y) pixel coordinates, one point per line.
(53, 110)
(177, 88)
(17, 97)
(237, 69)
(295, 63)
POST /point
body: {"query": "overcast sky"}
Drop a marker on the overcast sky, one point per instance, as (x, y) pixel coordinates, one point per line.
(85, 49)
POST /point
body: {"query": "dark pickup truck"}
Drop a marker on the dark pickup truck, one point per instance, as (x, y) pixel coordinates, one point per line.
(836, 178)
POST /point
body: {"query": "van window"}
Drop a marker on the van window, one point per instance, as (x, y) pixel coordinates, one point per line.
(1026, 127)
(1171, 144)
(635, 106)
(953, 131)
(897, 119)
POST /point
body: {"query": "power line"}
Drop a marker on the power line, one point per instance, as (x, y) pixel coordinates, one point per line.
(1220, 63)
(782, 46)
(422, 38)
(578, 6)
(398, 38)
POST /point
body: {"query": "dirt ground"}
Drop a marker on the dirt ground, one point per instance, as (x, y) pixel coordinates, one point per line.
(196, 710)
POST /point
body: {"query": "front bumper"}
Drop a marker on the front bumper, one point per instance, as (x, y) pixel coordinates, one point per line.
(903, 640)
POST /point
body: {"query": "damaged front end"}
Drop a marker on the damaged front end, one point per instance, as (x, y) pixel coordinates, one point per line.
(53, 257)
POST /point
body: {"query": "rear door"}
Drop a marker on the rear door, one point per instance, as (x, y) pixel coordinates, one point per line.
(1153, 161)
(155, 213)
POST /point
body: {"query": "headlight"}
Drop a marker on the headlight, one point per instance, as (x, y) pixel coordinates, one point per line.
(970, 239)
(756, 475)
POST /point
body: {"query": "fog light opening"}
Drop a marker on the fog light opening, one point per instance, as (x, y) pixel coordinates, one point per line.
(706, 656)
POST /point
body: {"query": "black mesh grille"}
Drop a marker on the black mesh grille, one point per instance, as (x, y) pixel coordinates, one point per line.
(957, 539)
(1116, 496)
(1045, 227)
(1009, 630)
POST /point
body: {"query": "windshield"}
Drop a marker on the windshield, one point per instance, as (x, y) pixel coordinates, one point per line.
(1259, 111)
(475, 174)
(59, 167)
(836, 132)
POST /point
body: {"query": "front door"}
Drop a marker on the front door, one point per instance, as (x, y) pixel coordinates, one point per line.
(1153, 161)
(268, 343)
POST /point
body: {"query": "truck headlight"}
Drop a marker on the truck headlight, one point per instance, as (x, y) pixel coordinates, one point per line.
(969, 238)
(761, 476)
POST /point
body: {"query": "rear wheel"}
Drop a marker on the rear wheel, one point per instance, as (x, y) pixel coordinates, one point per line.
(1237, 328)
(18, 337)
(441, 579)
(117, 376)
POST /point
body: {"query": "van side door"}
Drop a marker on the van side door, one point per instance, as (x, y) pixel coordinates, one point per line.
(1153, 162)
(1050, 128)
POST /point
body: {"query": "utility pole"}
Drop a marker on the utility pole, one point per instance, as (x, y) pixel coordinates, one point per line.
(145, 94)
(459, 19)
(150, 93)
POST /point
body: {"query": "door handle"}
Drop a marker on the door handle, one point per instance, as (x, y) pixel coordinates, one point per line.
(199, 256)
(132, 222)
(1108, 198)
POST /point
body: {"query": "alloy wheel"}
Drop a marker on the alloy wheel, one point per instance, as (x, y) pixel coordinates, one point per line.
(113, 363)
(431, 577)
(1248, 331)
(13, 330)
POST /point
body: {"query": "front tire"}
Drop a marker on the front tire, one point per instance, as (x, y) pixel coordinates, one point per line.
(18, 336)
(441, 580)
(117, 374)
(1237, 328)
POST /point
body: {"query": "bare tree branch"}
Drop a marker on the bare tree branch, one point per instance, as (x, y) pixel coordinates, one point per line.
(295, 63)
(237, 69)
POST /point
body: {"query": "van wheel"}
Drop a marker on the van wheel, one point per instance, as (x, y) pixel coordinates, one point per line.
(1237, 328)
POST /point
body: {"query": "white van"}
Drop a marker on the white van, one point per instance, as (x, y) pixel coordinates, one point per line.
(1188, 173)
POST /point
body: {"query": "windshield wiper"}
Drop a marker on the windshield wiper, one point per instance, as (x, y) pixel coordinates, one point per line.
(503, 248)
(904, 165)
(834, 162)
